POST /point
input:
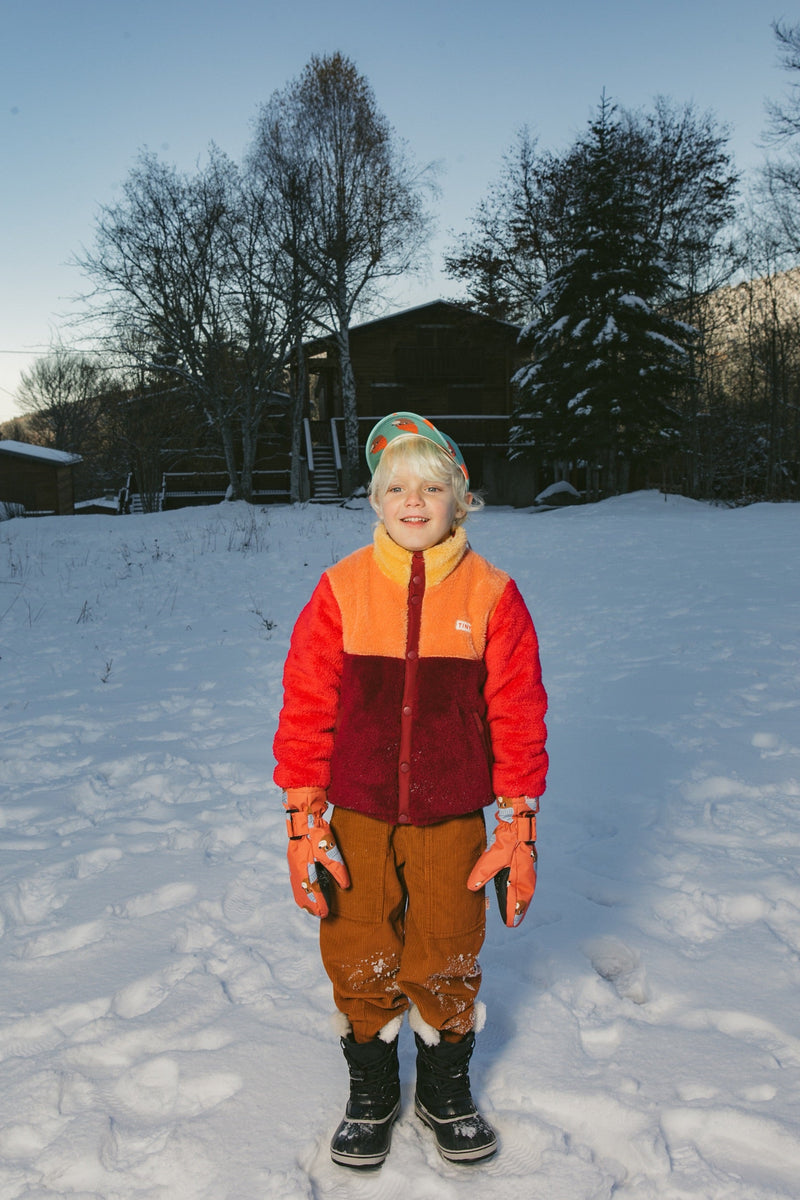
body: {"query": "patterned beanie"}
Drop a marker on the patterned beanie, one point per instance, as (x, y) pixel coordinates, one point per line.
(401, 424)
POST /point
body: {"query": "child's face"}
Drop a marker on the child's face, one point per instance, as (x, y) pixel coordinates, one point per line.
(418, 513)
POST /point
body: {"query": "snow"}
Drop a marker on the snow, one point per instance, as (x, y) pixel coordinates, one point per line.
(164, 1018)
(584, 410)
(562, 490)
(45, 453)
(104, 502)
(609, 331)
(665, 341)
(631, 300)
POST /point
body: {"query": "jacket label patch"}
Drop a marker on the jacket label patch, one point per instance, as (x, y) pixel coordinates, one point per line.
(464, 626)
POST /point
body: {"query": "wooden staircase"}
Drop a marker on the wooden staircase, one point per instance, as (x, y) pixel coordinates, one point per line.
(325, 480)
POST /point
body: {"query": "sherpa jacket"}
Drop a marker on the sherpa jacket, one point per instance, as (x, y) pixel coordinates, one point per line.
(412, 688)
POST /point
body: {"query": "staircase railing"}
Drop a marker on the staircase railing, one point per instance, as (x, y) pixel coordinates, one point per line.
(337, 454)
(327, 438)
(309, 445)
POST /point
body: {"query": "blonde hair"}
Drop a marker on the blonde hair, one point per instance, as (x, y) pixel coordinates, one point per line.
(429, 461)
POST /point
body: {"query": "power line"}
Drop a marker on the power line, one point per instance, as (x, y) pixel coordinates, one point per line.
(47, 350)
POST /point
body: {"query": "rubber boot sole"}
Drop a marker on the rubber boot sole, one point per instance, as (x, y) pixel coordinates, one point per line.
(375, 1136)
(447, 1131)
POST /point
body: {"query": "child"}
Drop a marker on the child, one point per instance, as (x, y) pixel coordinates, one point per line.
(413, 699)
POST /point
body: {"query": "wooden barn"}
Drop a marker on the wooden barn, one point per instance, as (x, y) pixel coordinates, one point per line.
(441, 360)
(37, 479)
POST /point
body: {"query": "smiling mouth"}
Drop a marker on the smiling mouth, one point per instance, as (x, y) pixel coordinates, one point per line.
(415, 520)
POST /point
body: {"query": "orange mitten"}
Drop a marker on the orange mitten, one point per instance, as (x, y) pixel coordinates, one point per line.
(313, 854)
(510, 860)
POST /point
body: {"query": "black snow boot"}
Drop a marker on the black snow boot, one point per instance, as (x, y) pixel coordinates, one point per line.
(443, 1101)
(364, 1135)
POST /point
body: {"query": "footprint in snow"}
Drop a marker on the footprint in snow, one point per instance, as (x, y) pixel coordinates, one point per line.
(620, 966)
(243, 898)
(171, 895)
(756, 1150)
(143, 995)
(64, 941)
(156, 1089)
(772, 746)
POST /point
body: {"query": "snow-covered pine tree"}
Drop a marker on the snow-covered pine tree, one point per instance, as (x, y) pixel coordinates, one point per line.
(606, 360)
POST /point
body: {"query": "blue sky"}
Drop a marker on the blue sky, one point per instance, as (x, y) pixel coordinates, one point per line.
(87, 83)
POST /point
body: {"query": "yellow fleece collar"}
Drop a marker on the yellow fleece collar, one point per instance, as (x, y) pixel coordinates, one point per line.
(395, 562)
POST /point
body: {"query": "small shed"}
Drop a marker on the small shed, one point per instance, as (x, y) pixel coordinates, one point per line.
(37, 478)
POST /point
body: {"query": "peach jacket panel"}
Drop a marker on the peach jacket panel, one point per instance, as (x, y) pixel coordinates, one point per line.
(412, 687)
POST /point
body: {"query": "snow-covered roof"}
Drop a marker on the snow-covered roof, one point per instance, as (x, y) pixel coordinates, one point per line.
(99, 502)
(61, 458)
(418, 308)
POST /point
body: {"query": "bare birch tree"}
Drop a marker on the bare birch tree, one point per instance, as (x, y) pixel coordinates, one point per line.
(282, 179)
(363, 214)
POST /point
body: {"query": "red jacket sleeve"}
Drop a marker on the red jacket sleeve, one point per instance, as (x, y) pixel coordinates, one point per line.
(311, 680)
(516, 701)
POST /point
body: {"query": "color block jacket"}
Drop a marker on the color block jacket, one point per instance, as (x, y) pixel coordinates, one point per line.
(412, 688)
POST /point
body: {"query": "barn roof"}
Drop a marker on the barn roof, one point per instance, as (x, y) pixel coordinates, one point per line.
(466, 313)
(462, 309)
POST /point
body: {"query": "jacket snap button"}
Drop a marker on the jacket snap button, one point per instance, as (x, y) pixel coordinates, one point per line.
(407, 710)
(405, 768)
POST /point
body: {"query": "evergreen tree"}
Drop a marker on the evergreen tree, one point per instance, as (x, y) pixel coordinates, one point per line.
(520, 232)
(605, 361)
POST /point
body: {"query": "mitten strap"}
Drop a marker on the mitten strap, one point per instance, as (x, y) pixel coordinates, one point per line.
(298, 823)
(526, 826)
(521, 813)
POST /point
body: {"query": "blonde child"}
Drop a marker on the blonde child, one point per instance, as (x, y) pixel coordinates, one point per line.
(412, 700)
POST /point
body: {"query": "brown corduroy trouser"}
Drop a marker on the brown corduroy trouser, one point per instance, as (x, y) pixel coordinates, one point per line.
(408, 930)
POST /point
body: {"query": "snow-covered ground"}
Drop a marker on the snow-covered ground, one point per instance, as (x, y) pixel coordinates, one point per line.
(165, 1027)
